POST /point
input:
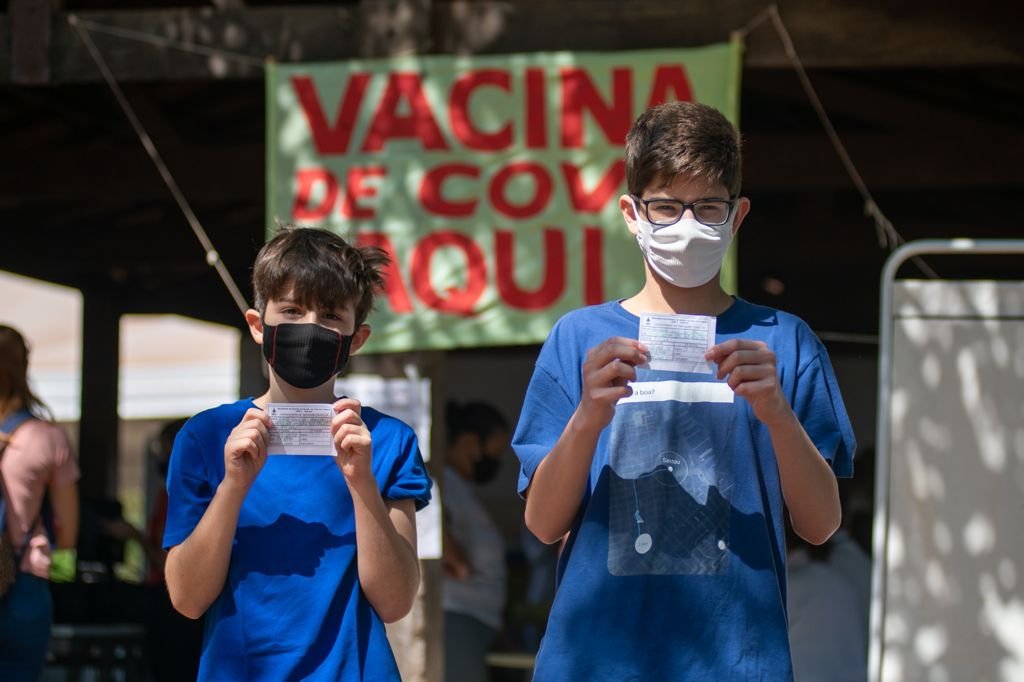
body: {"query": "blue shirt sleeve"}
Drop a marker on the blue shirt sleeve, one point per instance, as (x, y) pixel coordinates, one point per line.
(819, 407)
(406, 478)
(546, 410)
(189, 489)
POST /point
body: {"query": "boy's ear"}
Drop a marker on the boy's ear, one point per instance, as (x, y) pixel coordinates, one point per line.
(626, 206)
(742, 209)
(255, 322)
(359, 338)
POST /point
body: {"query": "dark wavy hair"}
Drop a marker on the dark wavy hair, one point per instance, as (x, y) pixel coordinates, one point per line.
(321, 268)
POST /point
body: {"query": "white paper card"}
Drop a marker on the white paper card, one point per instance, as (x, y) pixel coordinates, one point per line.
(300, 429)
(677, 343)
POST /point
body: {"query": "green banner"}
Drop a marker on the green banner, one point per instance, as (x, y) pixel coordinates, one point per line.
(493, 181)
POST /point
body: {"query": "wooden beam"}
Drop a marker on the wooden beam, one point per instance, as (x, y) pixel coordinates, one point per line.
(5, 48)
(944, 100)
(148, 45)
(30, 41)
(98, 434)
(826, 34)
(886, 161)
(205, 174)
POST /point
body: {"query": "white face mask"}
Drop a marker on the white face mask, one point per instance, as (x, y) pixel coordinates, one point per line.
(687, 254)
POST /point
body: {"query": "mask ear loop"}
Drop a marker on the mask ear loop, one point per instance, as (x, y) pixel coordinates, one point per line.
(636, 210)
(273, 342)
(344, 346)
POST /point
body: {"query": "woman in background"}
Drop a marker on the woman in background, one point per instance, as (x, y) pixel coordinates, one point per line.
(39, 475)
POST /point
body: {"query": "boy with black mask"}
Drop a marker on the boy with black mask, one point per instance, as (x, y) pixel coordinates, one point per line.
(298, 561)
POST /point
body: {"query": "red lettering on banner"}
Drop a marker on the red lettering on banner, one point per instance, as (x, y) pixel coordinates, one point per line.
(431, 193)
(456, 301)
(419, 123)
(553, 283)
(307, 179)
(541, 193)
(536, 110)
(593, 201)
(355, 189)
(593, 265)
(458, 111)
(579, 93)
(394, 287)
(670, 77)
(327, 138)
(463, 300)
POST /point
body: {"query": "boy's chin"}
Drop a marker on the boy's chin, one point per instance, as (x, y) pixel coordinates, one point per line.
(327, 385)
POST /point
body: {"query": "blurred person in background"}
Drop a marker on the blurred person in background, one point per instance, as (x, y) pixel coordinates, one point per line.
(827, 635)
(473, 553)
(173, 642)
(39, 474)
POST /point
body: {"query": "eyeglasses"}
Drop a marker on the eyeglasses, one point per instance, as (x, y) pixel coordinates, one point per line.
(665, 212)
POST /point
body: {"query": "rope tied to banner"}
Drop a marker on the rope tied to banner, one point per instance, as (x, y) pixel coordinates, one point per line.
(888, 237)
(212, 257)
(161, 41)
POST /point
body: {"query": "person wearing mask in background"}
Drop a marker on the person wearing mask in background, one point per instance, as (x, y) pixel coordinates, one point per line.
(473, 554)
(39, 474)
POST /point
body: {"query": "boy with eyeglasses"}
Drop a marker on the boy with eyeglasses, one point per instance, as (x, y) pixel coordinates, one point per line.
(669, 487)
(298, 561)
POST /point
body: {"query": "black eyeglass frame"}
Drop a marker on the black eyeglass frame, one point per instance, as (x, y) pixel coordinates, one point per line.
(692, 206)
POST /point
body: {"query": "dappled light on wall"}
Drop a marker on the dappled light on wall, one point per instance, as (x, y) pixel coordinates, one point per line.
(953, 598)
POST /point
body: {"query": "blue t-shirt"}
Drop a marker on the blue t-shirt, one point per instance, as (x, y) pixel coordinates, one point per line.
(291, 607)
(675, 564)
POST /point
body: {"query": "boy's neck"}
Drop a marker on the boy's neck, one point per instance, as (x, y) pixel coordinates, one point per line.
(660, 297)
(280, 392)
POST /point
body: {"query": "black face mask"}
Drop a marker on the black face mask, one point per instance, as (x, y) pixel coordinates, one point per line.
(485, 469)
(305, 355)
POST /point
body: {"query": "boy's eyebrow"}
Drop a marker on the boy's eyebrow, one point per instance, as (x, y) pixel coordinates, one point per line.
(665, 195)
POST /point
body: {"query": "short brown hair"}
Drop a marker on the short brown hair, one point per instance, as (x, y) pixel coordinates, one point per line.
(322, 269)
(682, 138)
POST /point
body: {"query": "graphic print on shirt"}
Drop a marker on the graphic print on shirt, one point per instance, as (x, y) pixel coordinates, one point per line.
(669, 484)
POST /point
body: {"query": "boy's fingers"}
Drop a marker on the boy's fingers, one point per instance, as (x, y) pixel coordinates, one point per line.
(611, 394)
(618, 348)
(731, 346)
(745, 374)
(256, 414)
(348, 416)
(743, 358)
(614, 372)
(348, 404)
